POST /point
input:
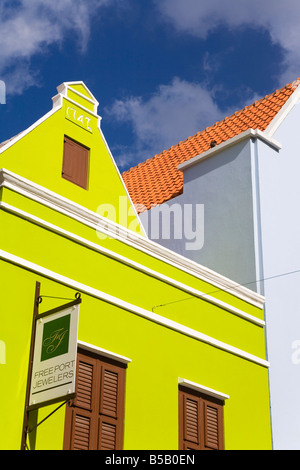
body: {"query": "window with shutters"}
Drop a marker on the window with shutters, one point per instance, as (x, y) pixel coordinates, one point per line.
(94, 419)
(200, 421)
(75, 163)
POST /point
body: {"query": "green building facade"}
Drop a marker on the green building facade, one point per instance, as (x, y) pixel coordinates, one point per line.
(184, 347)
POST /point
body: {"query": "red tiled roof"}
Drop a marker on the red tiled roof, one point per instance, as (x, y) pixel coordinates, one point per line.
(157, 179)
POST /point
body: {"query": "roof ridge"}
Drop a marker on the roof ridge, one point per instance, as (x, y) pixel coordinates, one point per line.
(293, 85)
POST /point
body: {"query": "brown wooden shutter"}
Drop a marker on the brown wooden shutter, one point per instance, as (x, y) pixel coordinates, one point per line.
(213, 425)
(200, 422)
(111, 406)
(80, 418)
(86, 381)
(82, 431)
(75, 163)
(191, 419)
(95, 418)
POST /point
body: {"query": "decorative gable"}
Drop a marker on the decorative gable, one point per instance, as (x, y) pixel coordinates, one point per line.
(65, 152)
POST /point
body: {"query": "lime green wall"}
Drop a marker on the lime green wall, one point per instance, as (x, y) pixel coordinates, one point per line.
(81, 263)
(159, 355)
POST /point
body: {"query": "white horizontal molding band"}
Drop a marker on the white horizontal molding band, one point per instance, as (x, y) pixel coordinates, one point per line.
(202, 389)
(86, 110)
(65, 86)
(130, 307)
(82, 241)
(81, 95)
(57, 101)
(101, 224)
(248, 134)
(102, 352)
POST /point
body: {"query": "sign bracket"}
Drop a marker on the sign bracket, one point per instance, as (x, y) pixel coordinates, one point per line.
(29, 429)
(33, 329)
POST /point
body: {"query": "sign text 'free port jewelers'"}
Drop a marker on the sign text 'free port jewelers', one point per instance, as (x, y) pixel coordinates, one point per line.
(54, 360)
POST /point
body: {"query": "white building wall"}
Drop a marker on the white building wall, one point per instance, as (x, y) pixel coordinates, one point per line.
(220, 233)
(279, 186)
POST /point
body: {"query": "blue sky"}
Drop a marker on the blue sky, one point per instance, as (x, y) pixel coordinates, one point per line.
(161, 69)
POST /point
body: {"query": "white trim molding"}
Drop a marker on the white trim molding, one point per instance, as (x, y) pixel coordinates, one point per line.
(63, 89)
(128, 262)
(248, 134)
(151, 316)
(102, 352)
(101, 224)
(202, 389)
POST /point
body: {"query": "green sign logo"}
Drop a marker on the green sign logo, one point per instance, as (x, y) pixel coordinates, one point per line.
(55, 338)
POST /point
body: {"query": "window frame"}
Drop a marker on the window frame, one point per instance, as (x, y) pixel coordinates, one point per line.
(76, 162)
(196, 438)
(93, 412)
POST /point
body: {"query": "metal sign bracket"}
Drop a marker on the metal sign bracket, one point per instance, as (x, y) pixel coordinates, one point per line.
(37, 300)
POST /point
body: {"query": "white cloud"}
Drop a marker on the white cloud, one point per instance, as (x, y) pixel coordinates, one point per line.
(280, 18)
(175, 112)
(28, 27)
(181, 108)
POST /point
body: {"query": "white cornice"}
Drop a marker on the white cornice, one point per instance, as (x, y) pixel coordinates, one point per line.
(97, 248)
(102, 352)
(248, 134)
(61, 204)
(202, 389)
(93, 220)
(166, 322)
(57, 100)
(63, 88)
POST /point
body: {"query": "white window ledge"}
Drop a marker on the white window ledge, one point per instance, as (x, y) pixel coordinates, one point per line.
(103, 352)
(202, 389)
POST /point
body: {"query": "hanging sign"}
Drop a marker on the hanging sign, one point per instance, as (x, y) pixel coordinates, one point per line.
(54, 358)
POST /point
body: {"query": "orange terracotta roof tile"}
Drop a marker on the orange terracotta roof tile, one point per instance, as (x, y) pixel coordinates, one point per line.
(157, 179)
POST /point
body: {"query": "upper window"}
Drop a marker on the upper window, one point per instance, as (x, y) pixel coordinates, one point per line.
(200, 421)
(75, 163)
